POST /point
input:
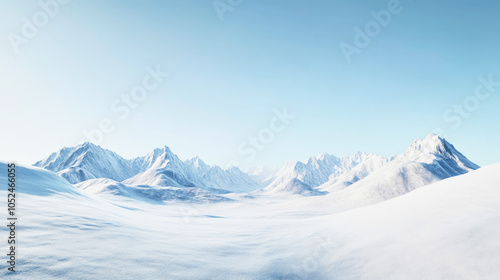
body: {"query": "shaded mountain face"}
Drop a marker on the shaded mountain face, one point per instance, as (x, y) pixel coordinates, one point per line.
(88, 161)
(161, 168)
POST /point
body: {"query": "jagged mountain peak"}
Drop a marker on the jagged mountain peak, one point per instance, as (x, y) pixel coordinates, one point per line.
(197, 163)
(434, 148)
(324, 157)
(88, 145)
(431, 144)
(160, 158)
(161, 151)
(361, 156)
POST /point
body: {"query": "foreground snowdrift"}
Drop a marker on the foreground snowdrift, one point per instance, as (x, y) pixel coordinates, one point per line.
(38, 181)
(447, 230)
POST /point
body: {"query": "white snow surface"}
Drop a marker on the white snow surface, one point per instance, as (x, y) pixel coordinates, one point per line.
(445, 230)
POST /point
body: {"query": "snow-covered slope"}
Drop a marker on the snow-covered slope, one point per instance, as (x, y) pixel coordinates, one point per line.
(445, 230)
(38, 181)
(424, 162)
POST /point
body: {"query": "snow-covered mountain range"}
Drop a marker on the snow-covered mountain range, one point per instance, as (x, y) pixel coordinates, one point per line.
(424, 162)
(362, 178)
(316, 171)
(368, 178)
(160, 168)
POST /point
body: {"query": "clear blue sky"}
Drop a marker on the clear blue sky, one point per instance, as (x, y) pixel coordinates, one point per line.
(227, 76)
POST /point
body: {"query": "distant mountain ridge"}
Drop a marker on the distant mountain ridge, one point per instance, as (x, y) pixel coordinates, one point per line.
(369, 177)
(362, 177)
(161, 167)
(316, 171)
(424, 162)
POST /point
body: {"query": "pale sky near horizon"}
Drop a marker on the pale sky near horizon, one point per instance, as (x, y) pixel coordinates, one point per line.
(427, 68)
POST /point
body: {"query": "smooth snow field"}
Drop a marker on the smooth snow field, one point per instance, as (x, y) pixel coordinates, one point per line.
(446, 230)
